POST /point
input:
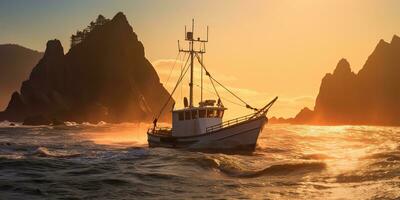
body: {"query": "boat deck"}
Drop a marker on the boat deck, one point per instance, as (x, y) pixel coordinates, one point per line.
(167, 131)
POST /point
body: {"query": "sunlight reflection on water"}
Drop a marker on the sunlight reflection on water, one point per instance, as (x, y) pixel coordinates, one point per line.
(345, 151)
(113, 160)
(123, 135)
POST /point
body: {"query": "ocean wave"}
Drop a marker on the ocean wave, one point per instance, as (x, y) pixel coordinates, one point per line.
(361, 177)
(29, 190)
(277, 170)
(272, 150)
(8, 124)
(33, 166)
(377, 170)
(316, 157)
(67, 123)
(115, 181)
(234, 168)
(388, 156)
(86, 171)
(101, 123)
(44, 152)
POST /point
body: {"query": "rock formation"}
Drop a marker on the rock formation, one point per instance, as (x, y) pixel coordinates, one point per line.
(104, 77)
(370, 97)
(15, 64)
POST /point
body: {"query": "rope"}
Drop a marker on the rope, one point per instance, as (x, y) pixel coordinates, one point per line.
(209, 75)
(215, 89)
(173, 67)
(183, 72)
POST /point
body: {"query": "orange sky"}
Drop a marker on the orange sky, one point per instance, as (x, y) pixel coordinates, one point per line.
(284, 48)
(259, 48)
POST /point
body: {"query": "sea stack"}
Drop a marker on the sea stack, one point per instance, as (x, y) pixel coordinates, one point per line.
(105, 76)
(370, 97)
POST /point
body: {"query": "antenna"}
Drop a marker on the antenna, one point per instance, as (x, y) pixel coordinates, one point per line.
(207, 35)
(192, 50)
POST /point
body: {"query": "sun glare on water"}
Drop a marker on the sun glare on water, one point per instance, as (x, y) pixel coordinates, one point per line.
(342, 145)
(123, 135)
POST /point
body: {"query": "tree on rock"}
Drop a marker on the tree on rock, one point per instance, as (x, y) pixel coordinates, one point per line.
(81, 35)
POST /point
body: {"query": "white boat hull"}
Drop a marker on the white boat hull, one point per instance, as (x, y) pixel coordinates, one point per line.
(242, 135)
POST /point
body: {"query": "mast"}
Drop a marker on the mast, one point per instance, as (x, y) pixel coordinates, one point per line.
(189, 36)
(201, 78)
(191, 67)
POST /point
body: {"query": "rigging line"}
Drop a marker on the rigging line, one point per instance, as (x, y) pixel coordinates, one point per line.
(173, 67)
(212, 83)
(212, 92)
(208, 74)
(173, 91)
(215, 89)
(183, 58)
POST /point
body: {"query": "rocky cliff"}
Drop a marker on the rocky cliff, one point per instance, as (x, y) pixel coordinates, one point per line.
(369, 97)
(104, 77)
(16, 62)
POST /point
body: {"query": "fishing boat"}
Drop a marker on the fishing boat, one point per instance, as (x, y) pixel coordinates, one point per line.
(202, 126)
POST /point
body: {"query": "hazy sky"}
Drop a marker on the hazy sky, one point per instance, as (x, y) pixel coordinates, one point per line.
(260, 48)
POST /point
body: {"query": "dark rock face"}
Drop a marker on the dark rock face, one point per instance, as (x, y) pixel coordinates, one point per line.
(370, 97)
(16, 62)
(302, 116)
(36, 120)
(106, 77)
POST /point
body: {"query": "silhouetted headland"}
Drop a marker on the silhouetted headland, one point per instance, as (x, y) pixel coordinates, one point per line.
(105, 76)
(16, 62)
(370, 97)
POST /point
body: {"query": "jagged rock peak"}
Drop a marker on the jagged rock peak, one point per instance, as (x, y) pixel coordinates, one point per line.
(343, 67)
(395, 40)
(305, 110)
(381, 45)
(54, 48)
(15, 101)
(120, 17)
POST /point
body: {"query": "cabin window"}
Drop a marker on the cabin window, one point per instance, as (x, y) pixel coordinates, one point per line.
(180, 116)
(187, 115)
(215, 113)
(211, 113)
(194, 114)
(202, 113)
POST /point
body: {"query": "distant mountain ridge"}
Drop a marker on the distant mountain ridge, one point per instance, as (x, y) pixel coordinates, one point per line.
(15, 64)
(370, 97)
(104, 77)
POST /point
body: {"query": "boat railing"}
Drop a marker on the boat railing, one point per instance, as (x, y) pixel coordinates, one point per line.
(260, 112)
(229, 123)
(160, 130)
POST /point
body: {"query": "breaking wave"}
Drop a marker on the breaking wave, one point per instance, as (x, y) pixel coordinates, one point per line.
(44, 152)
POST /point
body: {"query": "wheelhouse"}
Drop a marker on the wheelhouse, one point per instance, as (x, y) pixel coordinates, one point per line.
(195, 119)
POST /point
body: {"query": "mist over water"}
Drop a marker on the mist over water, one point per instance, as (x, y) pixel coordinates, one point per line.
(107, 161)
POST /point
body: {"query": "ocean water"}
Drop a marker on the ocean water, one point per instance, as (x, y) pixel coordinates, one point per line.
(106, 161)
